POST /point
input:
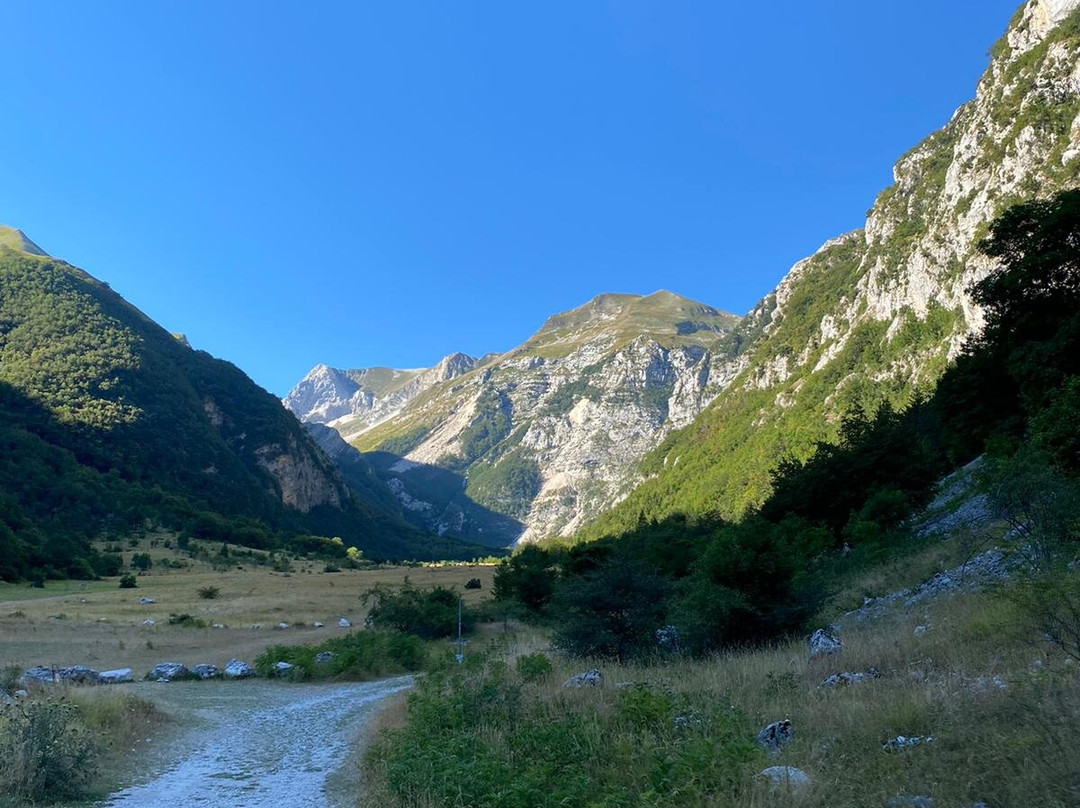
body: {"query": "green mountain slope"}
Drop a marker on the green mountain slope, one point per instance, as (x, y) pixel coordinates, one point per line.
(110, 422)
(875, 315)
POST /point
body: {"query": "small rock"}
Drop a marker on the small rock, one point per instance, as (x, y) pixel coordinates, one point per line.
(205, 671)
(323, 657)
(906, 742)
(824, 643)
(910, 802)
(344, 623)
(235, 669)
(786, 776)
(168, 672)
(920, 630)
(282, 626)
(115, 677)
(844, 679)
(687, 721)
(776, 736)
(590, 678)
(146, 601)
(317, 624)
(149, 623)
(218, 625)
(5, 699)
(21, 694)
(282, 668)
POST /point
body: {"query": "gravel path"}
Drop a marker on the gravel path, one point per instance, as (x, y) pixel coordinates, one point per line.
(258, 744)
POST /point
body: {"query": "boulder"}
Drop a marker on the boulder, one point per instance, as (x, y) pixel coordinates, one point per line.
(205, 671)
(323, 657)
(20, 694)
(149, 623)
(667, 638)
(590, 678)
(824, 643)
(75, 674)
(146, 601)
(235, 669)
(317, 624)
(168, 672)
(282, 626)
(845, 678)
(38, 675)
(901, 742)
(116, 676)
(776, 736)
(344, 623)
(283, 668)
(920, 630)
(5, 699)
(787, 776)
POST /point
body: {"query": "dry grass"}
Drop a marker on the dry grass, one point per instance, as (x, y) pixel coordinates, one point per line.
(1005, 747)
(100, 625)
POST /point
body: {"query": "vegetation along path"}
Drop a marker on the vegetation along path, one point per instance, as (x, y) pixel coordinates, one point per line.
(259, 743)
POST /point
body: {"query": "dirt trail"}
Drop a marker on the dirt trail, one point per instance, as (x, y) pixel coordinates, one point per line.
(258, 744)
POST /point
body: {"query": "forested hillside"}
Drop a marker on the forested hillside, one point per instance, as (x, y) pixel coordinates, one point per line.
(110, 424)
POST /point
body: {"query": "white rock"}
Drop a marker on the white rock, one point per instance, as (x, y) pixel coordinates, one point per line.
(235, 669)
(786, 776)
(115, 677)
(824, 643)
(590, 678)
(344, 623)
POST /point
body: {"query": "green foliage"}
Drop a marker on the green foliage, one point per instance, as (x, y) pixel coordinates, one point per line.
(128, 582)
(533, 667)
(507, 485)
(186, 621)
(141, 561)
(47, 751)
(429, 614)
(209, 592)
(528, 577)
(473, 583)
(489, 427)
(401, 445)
(471, 741)
(357, 655)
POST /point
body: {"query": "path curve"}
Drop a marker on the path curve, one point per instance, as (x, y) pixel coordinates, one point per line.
(262, 744)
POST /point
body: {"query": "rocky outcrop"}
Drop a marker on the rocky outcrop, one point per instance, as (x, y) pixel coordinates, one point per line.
(356, 400)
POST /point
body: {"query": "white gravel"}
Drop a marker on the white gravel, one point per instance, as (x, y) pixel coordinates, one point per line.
(259, 744)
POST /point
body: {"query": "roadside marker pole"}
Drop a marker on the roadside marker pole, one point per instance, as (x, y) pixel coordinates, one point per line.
(460, 656)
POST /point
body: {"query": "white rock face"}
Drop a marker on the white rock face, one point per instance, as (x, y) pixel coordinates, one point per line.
(356, 400)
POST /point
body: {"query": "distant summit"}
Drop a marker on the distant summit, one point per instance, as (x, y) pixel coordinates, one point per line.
(16, 239)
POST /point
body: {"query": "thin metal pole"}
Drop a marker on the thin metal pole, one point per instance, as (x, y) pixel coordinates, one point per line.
(460, 654)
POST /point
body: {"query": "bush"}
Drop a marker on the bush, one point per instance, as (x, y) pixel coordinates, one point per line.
(429, 614)
(186, 620)
(532, 667)
(128, 582)
(473, 583)
(209, 592)
(46, 750)
(358, 655)
(141, 561)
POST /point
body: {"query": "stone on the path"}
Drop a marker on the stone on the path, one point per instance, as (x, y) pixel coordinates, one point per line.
(317, 624)
(901, 742)
(235, 669)
(344, 623)
(116, 676)
(149, 623)
(168, 672)
(824, 643)
(846, 678)
(786, 776)
(776, 736)
(589, 678)
(282, 626)
(205, 671)
(904, 801)
(323, 657)
(283, 668)
(146, 601)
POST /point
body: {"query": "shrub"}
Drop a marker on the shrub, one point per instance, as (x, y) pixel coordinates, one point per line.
(186, 620)
(128, 582)
(429, 614)
(209, 592)
(141, 561)
(473, 583)
(532, 667)
(47, 753)
(358, 655)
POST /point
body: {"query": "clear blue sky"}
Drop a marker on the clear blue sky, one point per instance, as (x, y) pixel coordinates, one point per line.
(384, 183)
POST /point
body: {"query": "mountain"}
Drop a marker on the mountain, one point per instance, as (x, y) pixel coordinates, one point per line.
(110, 422)
(534, 442)
(875, 315)
(356, 400)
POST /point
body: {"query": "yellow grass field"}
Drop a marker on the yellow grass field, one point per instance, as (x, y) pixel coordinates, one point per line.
(100, 625)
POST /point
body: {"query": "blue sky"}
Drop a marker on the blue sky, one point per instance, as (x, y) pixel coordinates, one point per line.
(384, 183)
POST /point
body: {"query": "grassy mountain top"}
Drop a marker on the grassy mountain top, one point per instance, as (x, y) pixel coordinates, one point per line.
(16, 240)
(669, 318)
